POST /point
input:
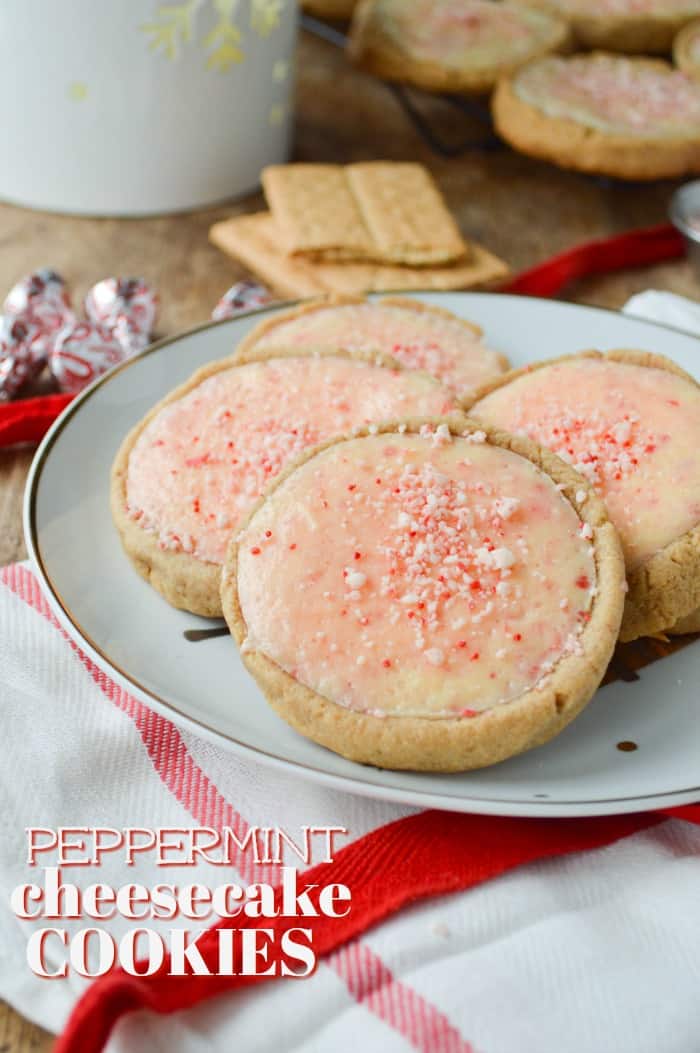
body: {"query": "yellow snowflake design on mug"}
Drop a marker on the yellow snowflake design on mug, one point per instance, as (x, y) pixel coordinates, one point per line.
(175, 26)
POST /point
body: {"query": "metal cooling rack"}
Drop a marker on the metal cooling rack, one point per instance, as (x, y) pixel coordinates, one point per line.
(409, 100)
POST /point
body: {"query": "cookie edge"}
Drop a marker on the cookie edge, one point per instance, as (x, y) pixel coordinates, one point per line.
(452, 744)
(572, 145)
(665, 589)
(373, 50)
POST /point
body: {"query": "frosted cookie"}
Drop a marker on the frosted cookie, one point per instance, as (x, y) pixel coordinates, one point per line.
(686, 50)
(433, 598)
(630, 422)
(450, 45)
(634, 26)
(418, 335)
(632, 118)
(187, 474)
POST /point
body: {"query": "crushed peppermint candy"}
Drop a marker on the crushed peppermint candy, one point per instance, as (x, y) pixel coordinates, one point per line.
(355, 579)
(203, 460)
(465, 564)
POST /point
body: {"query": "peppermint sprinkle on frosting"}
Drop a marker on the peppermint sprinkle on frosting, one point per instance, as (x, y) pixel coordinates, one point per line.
(473, 577)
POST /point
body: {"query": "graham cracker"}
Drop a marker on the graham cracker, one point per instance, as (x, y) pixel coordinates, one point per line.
(254, 240)
(379, 211)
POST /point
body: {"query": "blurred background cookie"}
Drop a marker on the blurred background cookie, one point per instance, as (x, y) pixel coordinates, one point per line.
(460, 46)
(633, 118)
(686, 50)
(634, 26)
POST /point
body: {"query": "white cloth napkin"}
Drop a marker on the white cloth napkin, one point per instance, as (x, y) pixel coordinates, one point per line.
(665, 307)
(596, 951)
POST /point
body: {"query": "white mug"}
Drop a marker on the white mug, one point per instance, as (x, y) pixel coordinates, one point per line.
(136, 107)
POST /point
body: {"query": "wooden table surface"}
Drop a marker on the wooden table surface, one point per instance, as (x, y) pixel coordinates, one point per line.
(522, 210)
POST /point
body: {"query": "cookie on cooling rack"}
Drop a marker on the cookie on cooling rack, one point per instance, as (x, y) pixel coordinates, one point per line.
(632, 26)
(460, 46)
(632, 118)
(435, 597)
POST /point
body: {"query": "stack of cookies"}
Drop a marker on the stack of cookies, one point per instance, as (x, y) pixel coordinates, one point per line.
(615, 111)
(377, 226)
(412, 587)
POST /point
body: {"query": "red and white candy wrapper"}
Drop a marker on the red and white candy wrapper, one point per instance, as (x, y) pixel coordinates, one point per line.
(82, 352)
(43, 299)
(126, 307)
(23, 348)
(242, 296)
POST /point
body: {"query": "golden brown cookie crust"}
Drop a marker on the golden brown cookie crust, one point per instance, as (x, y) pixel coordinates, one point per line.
(684, 626)
(377, 52)
(682, 50)
(268, 325)
(448, 744)
(666, 587)
(633, 33)
(183, 580)
(569, 144)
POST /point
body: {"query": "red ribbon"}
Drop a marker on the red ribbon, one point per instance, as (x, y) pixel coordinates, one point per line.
(636, 248)
(28, 420)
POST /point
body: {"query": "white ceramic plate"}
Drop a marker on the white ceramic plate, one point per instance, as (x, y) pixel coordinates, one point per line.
(138, 638)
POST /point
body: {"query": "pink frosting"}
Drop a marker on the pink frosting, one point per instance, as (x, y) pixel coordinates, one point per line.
(416, 575)
(200, 464)
(442, 346)
(613, 93)
(634, 432)
(477, 32)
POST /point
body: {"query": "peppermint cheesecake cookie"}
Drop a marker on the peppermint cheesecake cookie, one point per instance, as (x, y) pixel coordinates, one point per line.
(633, 26)
(434, 597)
(630, 422)
(686, 50)
(189, 472)
(632, 118)
(417, 335)
(460, 46)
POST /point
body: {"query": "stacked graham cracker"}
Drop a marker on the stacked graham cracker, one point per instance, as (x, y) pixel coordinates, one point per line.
(378, 226)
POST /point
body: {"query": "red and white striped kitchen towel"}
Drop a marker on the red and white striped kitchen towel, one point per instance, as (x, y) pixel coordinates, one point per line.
(592, 951)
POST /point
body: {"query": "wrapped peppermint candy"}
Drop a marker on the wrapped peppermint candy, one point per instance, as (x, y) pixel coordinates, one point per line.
(242, 296)
(82, 352)
(43, 299)
(23, 348)
(125, 307)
